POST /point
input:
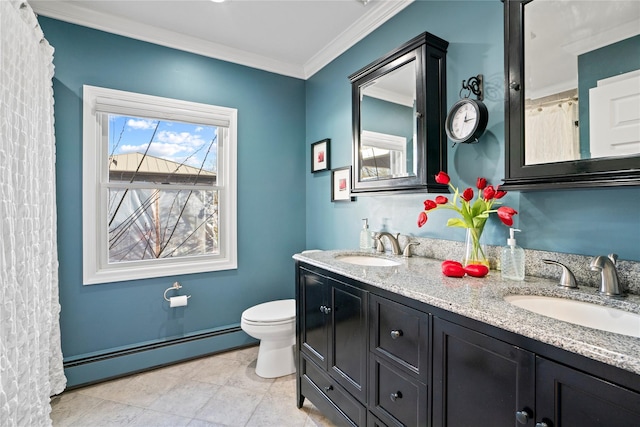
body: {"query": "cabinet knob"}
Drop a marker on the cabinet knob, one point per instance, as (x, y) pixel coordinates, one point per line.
(324, 309)
(515, 86)
(395, 334)
(542, 424)
(328, 388)
(396, 395)
(523, 416)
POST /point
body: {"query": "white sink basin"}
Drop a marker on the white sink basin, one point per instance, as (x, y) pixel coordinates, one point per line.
(368, 260)
(580, 313)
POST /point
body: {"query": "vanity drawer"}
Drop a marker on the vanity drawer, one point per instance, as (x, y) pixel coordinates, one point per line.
(401, 334)
(326, 394)
(395, 397)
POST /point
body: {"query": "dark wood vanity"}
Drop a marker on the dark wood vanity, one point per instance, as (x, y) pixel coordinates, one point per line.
(371, 357)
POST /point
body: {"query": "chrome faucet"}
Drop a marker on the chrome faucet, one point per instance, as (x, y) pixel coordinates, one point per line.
(610, 285)
(395, 245)
(567, 280)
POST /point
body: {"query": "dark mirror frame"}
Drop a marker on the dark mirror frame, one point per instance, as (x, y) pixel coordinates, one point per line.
(429, 54)
(570, 174)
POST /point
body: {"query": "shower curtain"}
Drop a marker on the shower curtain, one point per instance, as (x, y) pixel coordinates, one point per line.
(551, 133)
(30, 353)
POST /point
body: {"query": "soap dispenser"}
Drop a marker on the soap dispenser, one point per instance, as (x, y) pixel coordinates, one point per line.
(365, 236)
(512, 259)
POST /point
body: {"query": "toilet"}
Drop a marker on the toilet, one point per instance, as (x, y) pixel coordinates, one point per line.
(273, 323)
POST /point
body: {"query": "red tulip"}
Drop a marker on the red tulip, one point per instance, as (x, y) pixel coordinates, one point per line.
(422, 219)
(467, 195)
(505, 213)
(481, 183)
(489, 193)
(441, 200)
(442, 178)
(499, 193)
(429, 204)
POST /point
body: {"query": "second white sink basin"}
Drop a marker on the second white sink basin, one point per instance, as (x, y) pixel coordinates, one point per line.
(580, 313)
(368, 260)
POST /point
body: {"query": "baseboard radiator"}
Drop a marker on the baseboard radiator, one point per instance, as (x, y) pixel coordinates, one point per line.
(101, 366)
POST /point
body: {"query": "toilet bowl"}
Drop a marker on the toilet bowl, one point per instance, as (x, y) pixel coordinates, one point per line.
(273, 323)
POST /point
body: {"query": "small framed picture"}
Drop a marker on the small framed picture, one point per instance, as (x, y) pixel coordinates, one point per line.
(320, 156)
(341, 184)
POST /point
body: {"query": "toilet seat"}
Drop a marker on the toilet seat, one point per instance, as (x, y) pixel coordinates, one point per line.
(271, 313)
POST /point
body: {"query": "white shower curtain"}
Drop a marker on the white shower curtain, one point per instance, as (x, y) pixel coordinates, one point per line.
(551, 133)
(30, 354)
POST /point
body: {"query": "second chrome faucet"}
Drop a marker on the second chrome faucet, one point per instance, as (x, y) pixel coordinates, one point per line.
(609, 285)
(395, 245)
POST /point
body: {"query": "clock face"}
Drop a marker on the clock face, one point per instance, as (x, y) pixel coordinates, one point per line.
(466, 121)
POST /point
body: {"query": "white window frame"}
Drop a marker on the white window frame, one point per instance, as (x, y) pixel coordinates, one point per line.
(397, 146)
(95, 265)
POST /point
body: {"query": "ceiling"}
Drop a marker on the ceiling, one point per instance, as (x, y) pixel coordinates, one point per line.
(290, 37)
(558, 31)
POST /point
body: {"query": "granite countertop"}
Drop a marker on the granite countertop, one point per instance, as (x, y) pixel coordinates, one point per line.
(481, 299)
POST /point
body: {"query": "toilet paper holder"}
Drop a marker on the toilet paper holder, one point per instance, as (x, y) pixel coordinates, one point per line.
(175, 286)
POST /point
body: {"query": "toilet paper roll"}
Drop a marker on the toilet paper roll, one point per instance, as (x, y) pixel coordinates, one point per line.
(178, 301)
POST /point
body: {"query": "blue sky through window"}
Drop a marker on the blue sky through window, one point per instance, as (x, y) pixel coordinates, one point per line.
(188, 143)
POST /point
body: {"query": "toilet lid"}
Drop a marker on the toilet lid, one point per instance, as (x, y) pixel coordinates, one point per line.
(272, 311)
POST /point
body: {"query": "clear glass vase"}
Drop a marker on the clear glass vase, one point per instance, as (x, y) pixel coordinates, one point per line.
(475, 251)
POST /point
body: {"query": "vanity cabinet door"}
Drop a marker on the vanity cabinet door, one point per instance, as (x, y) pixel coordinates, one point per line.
(479, 380)
(314, 318)
(333, 329)
(566, 397)
(348, 337)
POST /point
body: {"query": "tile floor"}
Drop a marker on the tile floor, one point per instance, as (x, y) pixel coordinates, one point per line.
(220, 390)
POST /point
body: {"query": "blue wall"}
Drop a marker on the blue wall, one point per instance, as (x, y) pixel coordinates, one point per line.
(282, 207)
(612, 60)
(100, 319)
(587, 222)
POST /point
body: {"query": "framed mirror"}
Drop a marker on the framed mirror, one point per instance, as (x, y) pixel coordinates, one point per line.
(398, 107)
(572, 93)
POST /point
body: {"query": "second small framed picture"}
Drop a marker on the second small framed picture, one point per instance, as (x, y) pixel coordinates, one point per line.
(320, 156)
(341, 184)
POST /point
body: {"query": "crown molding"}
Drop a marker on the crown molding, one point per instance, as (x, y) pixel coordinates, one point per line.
(380, 12)
(74, 14)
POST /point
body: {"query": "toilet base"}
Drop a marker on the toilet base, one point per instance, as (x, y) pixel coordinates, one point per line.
(275, 359)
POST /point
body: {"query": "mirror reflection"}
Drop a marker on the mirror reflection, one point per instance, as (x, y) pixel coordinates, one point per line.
(582, 80)
(387, 125)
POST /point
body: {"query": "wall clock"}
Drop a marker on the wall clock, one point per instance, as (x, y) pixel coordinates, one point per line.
(466, 121)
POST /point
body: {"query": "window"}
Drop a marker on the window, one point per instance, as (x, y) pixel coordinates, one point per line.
(159, 186)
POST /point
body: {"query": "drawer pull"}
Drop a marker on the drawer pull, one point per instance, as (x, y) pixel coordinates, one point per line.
(522, 416)
(328, 388)
(395, 334)
(395, 396)
(542, 424)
